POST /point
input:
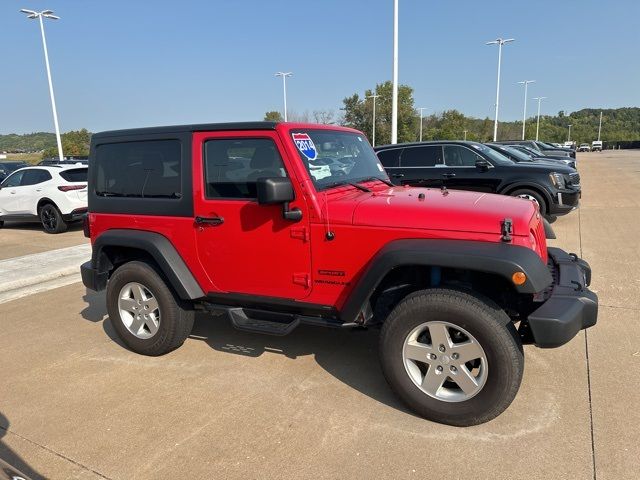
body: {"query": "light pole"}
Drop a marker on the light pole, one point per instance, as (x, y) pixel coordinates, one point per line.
(284, 76)
(600, 126)
(465, 135)
(500, 42)
(39, 15)
(539, 99)
(394, 90)
(524, 113)
(569, 137)
(421, 109)
(373, 133)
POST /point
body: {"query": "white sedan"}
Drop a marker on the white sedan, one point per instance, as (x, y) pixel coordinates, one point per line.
(54, 196)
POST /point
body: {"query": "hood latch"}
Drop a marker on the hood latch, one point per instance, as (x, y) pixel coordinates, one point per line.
(507, 229)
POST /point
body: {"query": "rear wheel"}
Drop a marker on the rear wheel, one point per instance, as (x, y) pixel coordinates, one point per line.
(452, 357)
(51, 219)
(145, 313)
(535, 197)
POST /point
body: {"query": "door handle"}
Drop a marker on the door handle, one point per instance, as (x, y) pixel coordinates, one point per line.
(397, 175)
(209, 221)
(448, 175)
(12, 192)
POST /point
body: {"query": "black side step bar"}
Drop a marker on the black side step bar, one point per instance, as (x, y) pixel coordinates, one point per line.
(279, 324)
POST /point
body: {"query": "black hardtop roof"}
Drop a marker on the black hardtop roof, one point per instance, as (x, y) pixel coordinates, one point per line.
(196, 127)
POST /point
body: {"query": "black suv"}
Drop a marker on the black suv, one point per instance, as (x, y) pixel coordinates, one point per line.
(474, 166)
(541, 147)
(519, 153)
(9, 167)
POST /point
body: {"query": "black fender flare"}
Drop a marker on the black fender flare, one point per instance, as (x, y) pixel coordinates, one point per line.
(496, 258)
(159, 248)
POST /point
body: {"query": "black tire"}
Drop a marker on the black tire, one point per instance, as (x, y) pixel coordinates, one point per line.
(1, 223)
(483, 319)
(176, 320)
(51, 219)
(541, 201)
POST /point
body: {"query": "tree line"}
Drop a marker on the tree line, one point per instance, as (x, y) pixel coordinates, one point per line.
(620, 124)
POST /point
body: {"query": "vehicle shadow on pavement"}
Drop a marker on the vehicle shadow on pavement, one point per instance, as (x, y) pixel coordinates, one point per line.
(36, 226)
(351, 356)
(11, 457)
(96, 311)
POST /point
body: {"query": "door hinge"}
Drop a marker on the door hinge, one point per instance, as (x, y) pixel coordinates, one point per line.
(302, 279)
(300, 233)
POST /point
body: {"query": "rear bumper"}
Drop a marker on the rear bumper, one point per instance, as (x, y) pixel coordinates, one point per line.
(93, 279)
(571, 306)
(75, 215)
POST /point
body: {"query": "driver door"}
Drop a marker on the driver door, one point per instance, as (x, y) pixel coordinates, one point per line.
(245, 247)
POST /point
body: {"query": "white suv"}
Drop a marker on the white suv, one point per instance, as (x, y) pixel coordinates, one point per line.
(54, 195)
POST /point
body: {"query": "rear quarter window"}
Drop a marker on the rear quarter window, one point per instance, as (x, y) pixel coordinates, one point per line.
(75, 175)
(139, 169)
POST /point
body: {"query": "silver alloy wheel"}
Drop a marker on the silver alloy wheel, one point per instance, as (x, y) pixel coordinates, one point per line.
(528, 197)
(445, 361)
(139, 310)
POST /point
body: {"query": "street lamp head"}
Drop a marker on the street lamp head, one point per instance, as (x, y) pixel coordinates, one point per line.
(525, 82)
(283, 74)
(500, 41)
(45, 13)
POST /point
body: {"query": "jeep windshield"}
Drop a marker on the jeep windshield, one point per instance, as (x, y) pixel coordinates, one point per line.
(334, 158)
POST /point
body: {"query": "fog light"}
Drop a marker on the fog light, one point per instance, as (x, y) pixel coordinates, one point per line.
(519, 278)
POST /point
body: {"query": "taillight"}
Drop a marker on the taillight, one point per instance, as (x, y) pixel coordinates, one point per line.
(86, 229)
(68, 188)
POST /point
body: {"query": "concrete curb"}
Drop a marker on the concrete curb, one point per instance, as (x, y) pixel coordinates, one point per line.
(22, 276)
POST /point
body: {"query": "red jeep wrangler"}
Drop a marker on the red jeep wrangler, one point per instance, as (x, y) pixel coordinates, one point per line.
(282, 224)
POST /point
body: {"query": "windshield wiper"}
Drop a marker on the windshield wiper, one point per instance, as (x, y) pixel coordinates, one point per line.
(355, 185)
(383, 180)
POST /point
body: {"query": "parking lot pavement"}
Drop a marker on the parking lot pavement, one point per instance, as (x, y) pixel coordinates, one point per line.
(76, 404)
(18, 239)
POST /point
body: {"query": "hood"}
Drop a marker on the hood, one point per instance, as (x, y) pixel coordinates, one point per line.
(540, 165)
(452, 210)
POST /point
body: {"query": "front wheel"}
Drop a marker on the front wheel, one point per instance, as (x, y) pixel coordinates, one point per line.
(452, 357)
(535, 197)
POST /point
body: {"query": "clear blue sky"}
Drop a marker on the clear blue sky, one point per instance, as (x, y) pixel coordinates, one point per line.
(117, 64)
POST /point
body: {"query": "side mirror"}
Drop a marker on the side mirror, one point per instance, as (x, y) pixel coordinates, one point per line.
(482, 165)
(274, 190)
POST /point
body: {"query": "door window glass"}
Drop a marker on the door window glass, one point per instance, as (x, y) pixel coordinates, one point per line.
(456, 156)
(390, 158)
(232, 166)
(34, 177)
(14, 180)
(424, 156)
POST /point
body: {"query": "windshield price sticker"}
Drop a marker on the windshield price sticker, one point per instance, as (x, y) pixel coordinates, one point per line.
(305, 145)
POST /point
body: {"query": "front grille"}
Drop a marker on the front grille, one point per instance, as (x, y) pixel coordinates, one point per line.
(574, 178)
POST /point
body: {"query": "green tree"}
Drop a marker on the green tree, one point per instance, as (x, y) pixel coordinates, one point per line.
(74, 143)
(358, 113)
(273, 116)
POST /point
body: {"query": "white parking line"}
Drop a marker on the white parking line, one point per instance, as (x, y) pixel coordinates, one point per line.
(22, 276)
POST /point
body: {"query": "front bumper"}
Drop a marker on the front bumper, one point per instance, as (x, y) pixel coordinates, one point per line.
(565, 200)
(571, 306)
